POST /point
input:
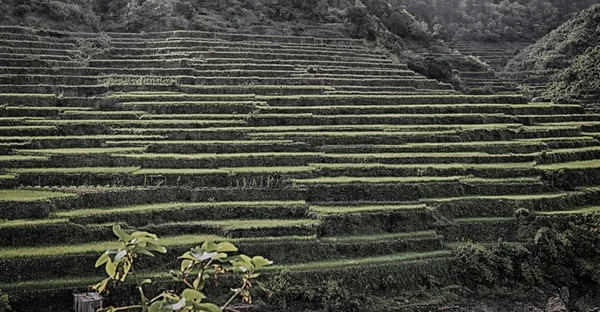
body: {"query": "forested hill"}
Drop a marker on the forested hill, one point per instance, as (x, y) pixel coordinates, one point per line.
(494, 20)
(571, 51)
(558, 49)
(489, 20)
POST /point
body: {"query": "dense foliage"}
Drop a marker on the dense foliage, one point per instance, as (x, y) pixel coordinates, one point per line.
(581, 80)
(491, 19)
(558, 49)
(160, 15)
(4, 302)
(567, 255)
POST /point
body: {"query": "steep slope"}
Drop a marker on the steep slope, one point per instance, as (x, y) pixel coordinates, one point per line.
(343, 167)
(561, 47)
(580, 81)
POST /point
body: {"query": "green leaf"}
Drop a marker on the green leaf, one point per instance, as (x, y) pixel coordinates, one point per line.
(103, 259)
(174, 306)
(120, 233)
(209, 246)
(185, 264)
(155, 247)
(187, 255)
(192, 295)
(101, 286)
(155, 306)
(120, 255)
(111, 269)
(226, 247)
(146, 281)
(206, 307)
(260, 262)
(143, 251)
(204, 256)
(142, 234)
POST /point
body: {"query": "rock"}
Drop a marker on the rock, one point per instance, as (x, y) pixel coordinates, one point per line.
(565, 294)
(532, 308)
(556, 304)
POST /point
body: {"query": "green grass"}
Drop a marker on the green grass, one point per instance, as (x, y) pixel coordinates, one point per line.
(259, 87)
(81, 137)
(378, 237)
(579, 210)
(456, 245)
(215, 143)
(182, 172)
(269, 170)
(484, 220)
(107, 113)
(84, 170)
(502, 197)
(339, 180)
(167, 241)
(232, 170)
(180, 103)
(22, 158)
(192, 116)
(587, 164)
(574, 150)
(125, 122)
(351, 134)
(554, 139)
(30, 195)
(248, 224)
(152, 95)
(340, 166)
(83, 151)
(32, 95)
(6, 177)
(26, 223)
(217, 156)
(394, 258)
(503, 180)
(368, 208)
(48, 128)
(369, 96)
(172, 206)
(411, 155)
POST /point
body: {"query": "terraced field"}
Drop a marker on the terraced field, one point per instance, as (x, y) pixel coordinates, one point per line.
(320, 154)
(497, 55)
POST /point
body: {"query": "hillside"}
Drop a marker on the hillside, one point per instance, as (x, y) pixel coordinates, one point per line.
(562, 46)
(359, 177)
(580, 81)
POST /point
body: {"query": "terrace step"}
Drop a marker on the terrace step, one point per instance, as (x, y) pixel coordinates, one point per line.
(413, 188)
(80, 259)
(480, 230)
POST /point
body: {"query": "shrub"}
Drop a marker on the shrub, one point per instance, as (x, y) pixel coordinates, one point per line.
(359, 23)
(567, 253)
(198, 267)
(4, 304)
(580, 81)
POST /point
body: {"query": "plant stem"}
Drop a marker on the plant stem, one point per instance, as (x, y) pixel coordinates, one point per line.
(232, 297)
(128, 308)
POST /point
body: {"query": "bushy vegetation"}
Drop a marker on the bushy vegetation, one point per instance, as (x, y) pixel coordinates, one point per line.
(558, 49)
(492, 20)
(199, 267)
(562, 255)
(4, 302)
(580, 81)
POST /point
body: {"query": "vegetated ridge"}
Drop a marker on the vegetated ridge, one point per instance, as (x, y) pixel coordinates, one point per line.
(570, 54)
